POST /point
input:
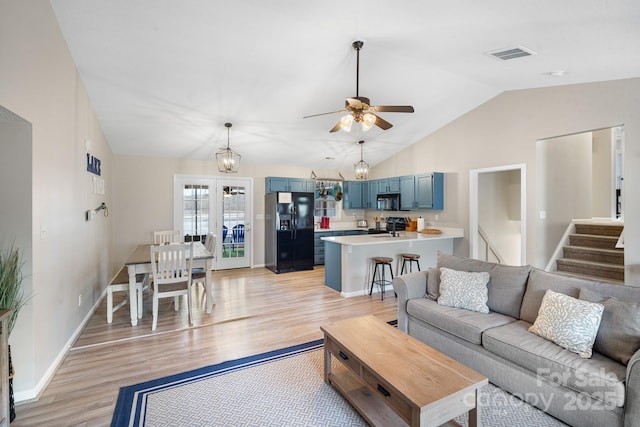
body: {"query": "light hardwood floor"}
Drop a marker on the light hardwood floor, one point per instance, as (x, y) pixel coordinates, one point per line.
(256, 311)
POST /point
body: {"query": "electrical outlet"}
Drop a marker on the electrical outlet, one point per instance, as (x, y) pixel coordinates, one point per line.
(435, 217)
(79, 300)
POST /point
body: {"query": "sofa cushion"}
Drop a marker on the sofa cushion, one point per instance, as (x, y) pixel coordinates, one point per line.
(539, 282)
(600, 377)
(506, 285)
(506, 288)
(455, 263)
(464, 324)
(462, 289)
(619, 333)
(569, 322)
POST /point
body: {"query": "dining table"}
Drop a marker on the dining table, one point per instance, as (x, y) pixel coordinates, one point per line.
(140, 262)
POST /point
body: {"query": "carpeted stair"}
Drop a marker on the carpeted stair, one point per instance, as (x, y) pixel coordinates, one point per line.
(592, 253)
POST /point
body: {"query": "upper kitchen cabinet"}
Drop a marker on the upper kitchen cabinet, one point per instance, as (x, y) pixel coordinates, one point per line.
(388, 185)
(424, 191)
(273, 184)
(354, 195)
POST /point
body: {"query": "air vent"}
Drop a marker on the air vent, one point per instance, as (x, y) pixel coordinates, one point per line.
(511, 53)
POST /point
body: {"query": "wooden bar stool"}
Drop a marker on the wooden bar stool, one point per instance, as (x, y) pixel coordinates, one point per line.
(411, 258)
(381, 281)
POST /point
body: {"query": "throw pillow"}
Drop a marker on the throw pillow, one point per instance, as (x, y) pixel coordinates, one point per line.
(462, 289)
(569, 322)
(619, 333)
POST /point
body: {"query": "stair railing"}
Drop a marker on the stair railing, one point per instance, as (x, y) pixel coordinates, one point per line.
(564, 241)
(489, 247)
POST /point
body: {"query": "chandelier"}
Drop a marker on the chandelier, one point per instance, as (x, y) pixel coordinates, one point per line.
(361, 168)
(228, 160)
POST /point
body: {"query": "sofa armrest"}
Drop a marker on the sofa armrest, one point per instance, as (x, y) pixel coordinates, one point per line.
(407, 286)
(632, 392)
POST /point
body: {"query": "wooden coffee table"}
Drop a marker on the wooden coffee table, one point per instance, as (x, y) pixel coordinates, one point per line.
(394, 379)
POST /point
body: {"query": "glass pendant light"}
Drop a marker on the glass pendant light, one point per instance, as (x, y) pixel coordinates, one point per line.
(361, 168)
(368, 120)
(228, 160)
(346, 122)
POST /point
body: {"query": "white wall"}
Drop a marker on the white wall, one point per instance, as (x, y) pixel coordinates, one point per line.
(499, 212)
(505, 129)
(40, 83)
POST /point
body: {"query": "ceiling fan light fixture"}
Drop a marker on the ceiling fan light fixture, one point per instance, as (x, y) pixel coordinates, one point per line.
(346, 122)
(368, 120)
(361, 168)
(228, 160)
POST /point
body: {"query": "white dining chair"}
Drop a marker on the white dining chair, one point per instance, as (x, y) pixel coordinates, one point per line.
(120, 283)
(167, 236)
(171, 270)
(199, 274)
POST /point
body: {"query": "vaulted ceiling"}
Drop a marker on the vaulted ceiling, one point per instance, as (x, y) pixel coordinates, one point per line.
(165, 75)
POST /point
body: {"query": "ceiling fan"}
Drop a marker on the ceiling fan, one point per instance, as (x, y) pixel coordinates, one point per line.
(360, 108)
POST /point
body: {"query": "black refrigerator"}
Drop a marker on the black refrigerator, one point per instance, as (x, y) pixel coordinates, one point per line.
(288, 231)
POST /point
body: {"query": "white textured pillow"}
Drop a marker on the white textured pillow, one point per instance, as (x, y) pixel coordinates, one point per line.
(569, 322)
(462, 289)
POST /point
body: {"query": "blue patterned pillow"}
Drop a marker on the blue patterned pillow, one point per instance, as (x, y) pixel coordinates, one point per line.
(569, 322)
(462, 289)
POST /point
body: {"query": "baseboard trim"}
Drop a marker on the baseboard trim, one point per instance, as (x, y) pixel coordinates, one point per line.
(34, 393)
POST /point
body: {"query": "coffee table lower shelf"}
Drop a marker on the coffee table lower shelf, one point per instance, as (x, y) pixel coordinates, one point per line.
(368, 404)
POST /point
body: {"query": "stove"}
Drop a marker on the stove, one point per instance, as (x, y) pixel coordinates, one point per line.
(400, 223)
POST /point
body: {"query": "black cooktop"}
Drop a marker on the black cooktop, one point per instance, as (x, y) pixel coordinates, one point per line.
(377, 231)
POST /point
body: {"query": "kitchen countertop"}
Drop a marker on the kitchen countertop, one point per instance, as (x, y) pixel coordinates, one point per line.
(403, 236)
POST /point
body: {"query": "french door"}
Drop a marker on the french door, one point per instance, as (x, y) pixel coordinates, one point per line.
(222, 206)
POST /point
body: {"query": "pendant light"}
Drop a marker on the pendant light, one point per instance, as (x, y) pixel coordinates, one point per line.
(361, 168)
(228, 160)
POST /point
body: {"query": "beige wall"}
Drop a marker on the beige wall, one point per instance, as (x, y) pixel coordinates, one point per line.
(40, 83)
(504, 131)
(564, 173)
(602, 175)
(143, 197)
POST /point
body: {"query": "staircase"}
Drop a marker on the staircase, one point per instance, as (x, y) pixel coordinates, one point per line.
(592, 253)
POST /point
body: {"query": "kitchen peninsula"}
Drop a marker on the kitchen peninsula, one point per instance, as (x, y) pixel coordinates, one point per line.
(348, 265)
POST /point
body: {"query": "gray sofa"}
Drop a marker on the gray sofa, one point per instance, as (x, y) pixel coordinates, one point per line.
(596, 391)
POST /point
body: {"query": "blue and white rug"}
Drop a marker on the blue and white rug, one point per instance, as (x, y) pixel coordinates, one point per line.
(282, 387)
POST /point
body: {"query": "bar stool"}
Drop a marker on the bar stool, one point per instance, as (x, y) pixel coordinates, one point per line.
(411, 258)
(381, 281)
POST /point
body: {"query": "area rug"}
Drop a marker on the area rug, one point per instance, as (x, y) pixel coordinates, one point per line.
(279, 388)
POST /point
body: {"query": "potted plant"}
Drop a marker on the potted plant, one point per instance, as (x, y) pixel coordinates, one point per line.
(12, 297)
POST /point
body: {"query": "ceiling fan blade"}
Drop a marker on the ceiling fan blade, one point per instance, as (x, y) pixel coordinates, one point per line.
(382, 123)
(324, 114)
(393, 108)
(336, 128)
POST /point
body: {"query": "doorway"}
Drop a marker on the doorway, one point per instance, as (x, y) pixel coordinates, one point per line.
(497, 230)
(222, 206)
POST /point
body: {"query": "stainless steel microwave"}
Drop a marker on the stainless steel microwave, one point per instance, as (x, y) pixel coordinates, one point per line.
(388, 202)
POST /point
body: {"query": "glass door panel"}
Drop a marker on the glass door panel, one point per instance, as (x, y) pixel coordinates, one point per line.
(234, 198)
(195, 216)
